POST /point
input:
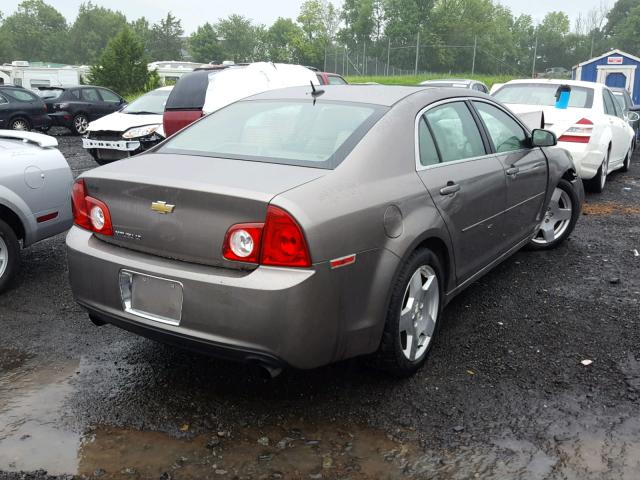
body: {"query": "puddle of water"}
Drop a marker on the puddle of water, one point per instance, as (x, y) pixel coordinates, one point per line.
(31, 401)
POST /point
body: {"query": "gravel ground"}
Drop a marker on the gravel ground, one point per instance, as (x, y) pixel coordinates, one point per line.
(504, 394)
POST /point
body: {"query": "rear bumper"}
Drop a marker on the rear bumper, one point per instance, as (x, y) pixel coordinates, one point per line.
(61, 119)
(586, 158)
(296, 317)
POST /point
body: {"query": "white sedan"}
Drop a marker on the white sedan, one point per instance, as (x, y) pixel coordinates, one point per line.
(585, 117)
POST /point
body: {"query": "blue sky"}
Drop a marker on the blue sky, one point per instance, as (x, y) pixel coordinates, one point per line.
(197, 12)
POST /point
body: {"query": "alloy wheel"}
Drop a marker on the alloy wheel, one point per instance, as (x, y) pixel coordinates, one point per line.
(556, 219)
(4, 257)
(81, 124)
(603, 171)
(20, 125)
(419, 312)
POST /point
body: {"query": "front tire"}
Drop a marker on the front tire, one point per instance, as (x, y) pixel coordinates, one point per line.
(560, 218)
(9, 255)
(413, 315)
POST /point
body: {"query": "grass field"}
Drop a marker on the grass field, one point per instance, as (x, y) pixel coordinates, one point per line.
(488, 80)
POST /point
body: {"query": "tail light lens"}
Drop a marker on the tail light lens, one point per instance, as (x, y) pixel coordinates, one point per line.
(580, 132)
(277, 242)
(88, 212)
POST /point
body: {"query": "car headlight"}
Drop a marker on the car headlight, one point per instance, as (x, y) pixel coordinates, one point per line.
(140, 131)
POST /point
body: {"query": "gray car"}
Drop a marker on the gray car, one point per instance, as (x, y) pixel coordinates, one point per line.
(457, 83)
(301, 227)
(35, 184)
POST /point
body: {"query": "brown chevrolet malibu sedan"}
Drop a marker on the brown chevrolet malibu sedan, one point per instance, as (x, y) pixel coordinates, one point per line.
(301, 227)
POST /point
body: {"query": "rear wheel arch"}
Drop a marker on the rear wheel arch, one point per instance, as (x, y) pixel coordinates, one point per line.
(13, 220)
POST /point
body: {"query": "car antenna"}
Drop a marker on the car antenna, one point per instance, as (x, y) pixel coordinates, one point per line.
(314, 92)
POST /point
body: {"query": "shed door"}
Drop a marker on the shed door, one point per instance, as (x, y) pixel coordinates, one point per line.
(616, 79)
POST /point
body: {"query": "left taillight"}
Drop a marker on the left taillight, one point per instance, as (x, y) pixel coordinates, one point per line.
(278, 242)
(88, 212)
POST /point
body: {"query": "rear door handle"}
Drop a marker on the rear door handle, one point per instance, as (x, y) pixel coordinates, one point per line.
(450, 189)
(512, 171)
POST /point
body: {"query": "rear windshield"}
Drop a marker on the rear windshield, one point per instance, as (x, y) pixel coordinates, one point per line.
(290, 132)
(190, 91)
(543, 94)
(151, 103)
(49, 94)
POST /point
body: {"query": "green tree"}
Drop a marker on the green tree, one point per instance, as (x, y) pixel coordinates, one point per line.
(36, 32)
(142, 30)
(6, 50)
(618, 14)
(123, 64)
(93, 28)
(204, 45)
(285, 41)
(626, 33)
(552, 35)
(238, 38)
(166, 39)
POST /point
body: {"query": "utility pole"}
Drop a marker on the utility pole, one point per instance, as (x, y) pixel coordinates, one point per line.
(388, 55)
(592, 39)
(335, 61)
(535, 54)
(417, 54)
(364, 59)
(473, 62)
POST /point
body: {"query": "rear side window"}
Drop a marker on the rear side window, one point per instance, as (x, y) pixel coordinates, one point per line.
(22, 95)
(428, 151)
(73, 94)
(617, 111)
(289, 132)
(190, 91)
(455, 132)
(90, 95)
(507, 135)
(3, 100)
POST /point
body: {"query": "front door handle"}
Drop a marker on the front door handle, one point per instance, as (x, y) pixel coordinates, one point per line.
(450, 189)
(512, 171)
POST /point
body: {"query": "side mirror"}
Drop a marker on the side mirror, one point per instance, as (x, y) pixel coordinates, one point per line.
(543, 138)
(632, 116)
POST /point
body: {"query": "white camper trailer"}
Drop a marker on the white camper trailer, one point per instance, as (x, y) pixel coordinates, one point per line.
(25, 75)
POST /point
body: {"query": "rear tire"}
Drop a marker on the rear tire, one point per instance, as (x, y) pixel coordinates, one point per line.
(20, 123)
(413, 316)
(597, 183)
(9, 255)
(80, 124)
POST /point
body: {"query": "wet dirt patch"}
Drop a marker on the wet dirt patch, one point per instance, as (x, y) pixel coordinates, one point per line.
(277, 452)
(11, 359)
(609, 208)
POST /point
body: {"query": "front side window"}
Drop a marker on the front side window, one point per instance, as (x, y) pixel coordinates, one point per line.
(543, 94)
(334, 80)
(109, 96)
(506, 134)
(311, 134)
(455, 132)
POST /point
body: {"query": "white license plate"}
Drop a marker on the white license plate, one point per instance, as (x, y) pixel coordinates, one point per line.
(111, 145)
(150, 297)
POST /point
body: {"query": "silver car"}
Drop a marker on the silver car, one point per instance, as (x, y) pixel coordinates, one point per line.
(300, 227)
(35, 184)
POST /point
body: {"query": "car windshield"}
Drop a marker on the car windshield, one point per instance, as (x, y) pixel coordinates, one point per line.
(151, 103)
(543, 94)
(447, 84)
(315, 134)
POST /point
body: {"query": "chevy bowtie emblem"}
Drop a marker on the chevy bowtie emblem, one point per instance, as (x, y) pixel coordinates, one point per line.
(162, 207)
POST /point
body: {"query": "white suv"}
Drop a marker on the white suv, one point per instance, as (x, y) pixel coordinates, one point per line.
(592, 126)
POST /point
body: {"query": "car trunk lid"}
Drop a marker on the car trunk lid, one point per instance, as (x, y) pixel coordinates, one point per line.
(181, 206)
(556, 120)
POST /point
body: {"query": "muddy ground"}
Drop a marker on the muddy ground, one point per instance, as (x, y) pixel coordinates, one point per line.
(503, 395)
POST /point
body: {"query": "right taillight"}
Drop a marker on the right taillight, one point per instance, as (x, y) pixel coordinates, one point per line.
(278, 241)
(88, 212)
(580, 132)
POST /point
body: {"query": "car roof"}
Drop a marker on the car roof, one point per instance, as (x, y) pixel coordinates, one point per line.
(383, 95)
(450, 80)
(555, 81)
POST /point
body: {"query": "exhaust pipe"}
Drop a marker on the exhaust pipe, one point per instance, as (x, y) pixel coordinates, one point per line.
(265, 370)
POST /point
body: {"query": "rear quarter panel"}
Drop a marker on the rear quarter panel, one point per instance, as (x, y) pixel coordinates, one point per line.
(343, 213)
